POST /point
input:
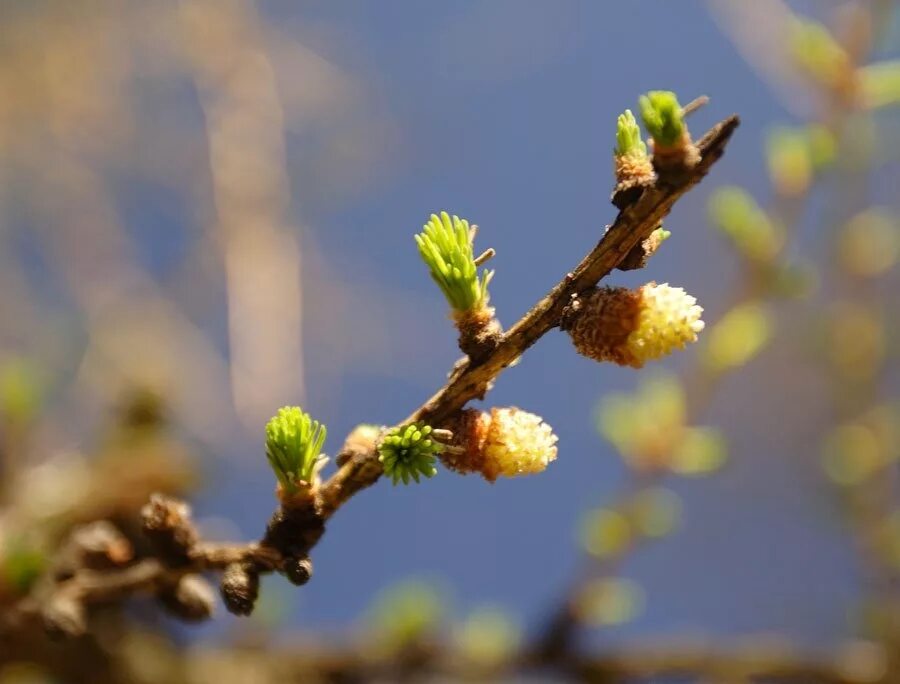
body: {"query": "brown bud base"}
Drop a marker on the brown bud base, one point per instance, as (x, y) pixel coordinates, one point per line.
(294, 531)
(682, 156)
(167, 523)
(633, 174)
(304, 496)
(600, 321)
(479, 331)
(469, 429)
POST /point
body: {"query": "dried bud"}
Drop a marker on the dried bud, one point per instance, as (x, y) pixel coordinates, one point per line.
(64, 616)
(240, 588)
(506, 441)
(97, 545)
(192, 598)
(631, 327)
(360, 443)
(298, 570)
(101, 545)
(167, 522)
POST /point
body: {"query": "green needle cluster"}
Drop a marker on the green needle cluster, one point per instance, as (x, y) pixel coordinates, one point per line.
(628, 136)
(445, 244)
(663, 117)
(408, 451)
(294, 447)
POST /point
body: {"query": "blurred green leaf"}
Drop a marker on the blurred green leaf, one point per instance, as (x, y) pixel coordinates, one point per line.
(879, 84)
(655, 511)
(701, 451)
(852, 454)
(22, 564)
(737, 216)
(21, 389)
(605, 533)
(488, 637)
(789, 159)
(817, 52)
(642, 426)
(868, 245)
(737, 337)
(822, 145)
(610, 601)
(406, 613)
(792, 281)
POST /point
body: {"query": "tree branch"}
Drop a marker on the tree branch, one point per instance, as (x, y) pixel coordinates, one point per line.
(471, 378)
(295, 528)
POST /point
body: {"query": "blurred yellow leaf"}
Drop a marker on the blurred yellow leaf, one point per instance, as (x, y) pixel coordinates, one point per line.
(701, 451)
(738, 336)
(737, 216)
(852, 454)
(605, 533)
(656, 511)
(856, 341)
(406, 612)
(488, 637)
(817, 52)
(879, 84)
(789, 160)
(643, 426)
(610, 601)
(869, 244)
(20, 389)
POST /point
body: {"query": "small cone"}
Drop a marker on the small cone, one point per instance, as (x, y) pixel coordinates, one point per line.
(506, 442)
(631, 327)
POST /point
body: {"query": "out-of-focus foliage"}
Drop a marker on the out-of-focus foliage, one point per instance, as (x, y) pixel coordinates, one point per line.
(407, 613)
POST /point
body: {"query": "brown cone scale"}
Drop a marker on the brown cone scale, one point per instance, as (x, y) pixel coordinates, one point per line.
(600, 321)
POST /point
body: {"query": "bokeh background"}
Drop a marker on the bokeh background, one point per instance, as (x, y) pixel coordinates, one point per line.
(214, 202)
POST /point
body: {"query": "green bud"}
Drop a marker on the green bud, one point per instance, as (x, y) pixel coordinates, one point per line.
(408, 451)
(660, 235)
(294, 446)
(663, 117)
(628, 136)
(445, 245)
